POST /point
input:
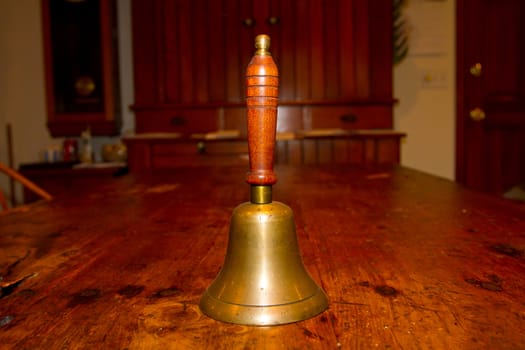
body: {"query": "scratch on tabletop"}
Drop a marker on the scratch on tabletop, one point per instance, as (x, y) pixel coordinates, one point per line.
(378, 176)
(162, 188)
(7, 288)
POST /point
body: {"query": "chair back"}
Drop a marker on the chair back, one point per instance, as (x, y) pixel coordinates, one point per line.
(24, 181)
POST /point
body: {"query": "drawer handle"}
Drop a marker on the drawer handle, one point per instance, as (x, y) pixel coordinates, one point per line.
(201, 147)
(177, 120)
(273, 20)
(249, 22)
(349, 118)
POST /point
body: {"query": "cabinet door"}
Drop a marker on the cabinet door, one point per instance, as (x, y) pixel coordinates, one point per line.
(199, 51)
(332, 50)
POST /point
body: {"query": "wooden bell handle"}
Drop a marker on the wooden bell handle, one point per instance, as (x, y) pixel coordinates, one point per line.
(262, 91)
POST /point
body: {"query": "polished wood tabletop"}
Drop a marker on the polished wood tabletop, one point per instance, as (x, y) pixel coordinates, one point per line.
(408, 261)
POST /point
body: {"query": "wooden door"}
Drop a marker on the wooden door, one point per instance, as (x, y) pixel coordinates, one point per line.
(491, 94)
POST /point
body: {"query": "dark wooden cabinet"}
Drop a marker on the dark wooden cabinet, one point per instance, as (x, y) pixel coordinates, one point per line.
(335, 64)
(334, 59)
(81, 70)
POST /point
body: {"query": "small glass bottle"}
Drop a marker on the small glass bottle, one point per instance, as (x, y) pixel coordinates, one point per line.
(86, 153)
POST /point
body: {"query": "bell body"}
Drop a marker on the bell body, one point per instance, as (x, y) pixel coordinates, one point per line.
(263, 280)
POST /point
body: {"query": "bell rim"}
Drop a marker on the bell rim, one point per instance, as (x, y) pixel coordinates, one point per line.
(264, 315)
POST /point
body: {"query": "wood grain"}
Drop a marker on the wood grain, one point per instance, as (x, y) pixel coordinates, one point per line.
(407, 260)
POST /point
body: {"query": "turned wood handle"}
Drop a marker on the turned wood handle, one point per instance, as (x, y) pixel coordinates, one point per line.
(262, 91)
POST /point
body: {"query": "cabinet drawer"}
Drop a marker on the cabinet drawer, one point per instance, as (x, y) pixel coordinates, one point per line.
(174, 149)
(195, 153)
(200, 147)
(355, 117)
(187, 122)
(289, 119)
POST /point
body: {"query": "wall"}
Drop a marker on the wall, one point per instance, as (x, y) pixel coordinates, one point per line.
(424, 112)
(21, 84)
(424, 84)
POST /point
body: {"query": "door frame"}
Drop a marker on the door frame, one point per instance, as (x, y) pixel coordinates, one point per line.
(460, 171)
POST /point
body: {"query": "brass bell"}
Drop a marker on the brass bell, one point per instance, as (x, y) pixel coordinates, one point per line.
(263, 281)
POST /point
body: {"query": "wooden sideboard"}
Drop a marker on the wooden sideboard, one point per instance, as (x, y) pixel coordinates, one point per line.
(335, 71)
(162, 151)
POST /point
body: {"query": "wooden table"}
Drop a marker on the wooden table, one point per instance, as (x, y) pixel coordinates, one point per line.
(408, 261)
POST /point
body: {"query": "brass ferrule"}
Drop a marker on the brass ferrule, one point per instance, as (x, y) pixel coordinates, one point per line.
(260, 194)
(262, 44)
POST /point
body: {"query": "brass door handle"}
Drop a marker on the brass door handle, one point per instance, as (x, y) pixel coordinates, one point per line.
(476, 69)
(477, 114)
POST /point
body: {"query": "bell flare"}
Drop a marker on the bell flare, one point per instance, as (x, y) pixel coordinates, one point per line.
(263, 280)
